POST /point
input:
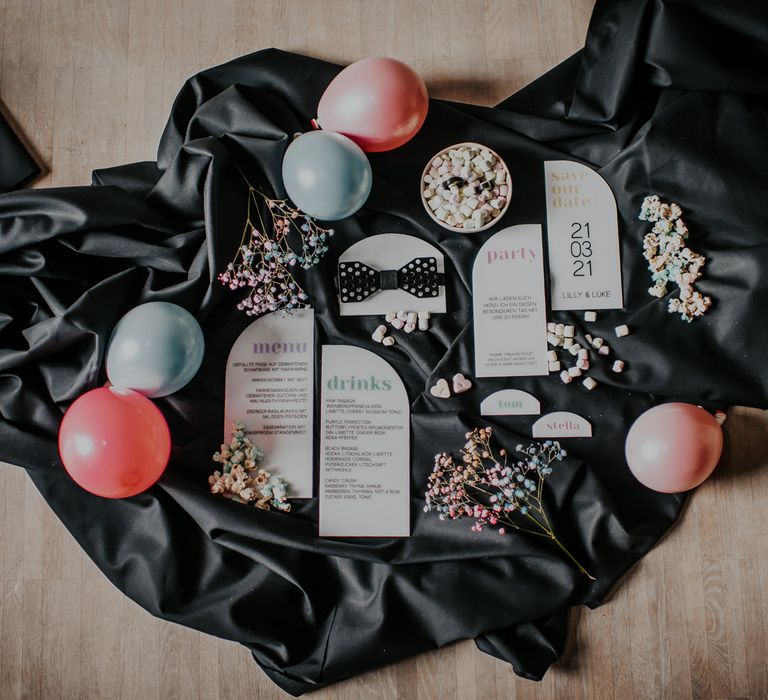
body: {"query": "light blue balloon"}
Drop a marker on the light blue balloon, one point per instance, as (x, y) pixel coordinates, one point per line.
(155, 349)
(326, 175)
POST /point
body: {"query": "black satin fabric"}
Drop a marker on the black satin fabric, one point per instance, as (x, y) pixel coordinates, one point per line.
(17, 166)
(658, 101)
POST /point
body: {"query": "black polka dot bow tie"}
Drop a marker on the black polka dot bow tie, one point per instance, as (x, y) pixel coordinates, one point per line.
(418, 277)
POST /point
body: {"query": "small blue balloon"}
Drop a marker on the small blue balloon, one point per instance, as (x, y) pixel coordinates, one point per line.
(155, 349)
(326, 175)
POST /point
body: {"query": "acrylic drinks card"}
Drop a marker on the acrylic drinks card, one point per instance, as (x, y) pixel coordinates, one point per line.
(365, 446)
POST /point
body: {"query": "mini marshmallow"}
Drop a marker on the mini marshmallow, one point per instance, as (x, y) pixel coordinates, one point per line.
(582, 364)
(565, 378)
(589, 383)
(569, 331)
(621, 331)
(568, 343)
(589, 338)
(390, 316)
(554, 366)
(603, 350)
(583, 354)
(377, 337)
(618, 366)
(574, 349)
(590, 316)
(552, 355)
(597, 343)
(402, 315)
(560, 329)
(424, 314)
(423, 324)
(409, 327)
(411, 317)
(552, 339)
(389, 340)
(551, 327)
(574, 371)
(397, 324)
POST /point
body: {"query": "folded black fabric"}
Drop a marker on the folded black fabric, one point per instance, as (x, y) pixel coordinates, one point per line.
(16, 164)
(651, 102)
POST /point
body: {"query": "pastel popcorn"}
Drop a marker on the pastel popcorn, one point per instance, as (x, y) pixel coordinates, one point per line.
(671, 260)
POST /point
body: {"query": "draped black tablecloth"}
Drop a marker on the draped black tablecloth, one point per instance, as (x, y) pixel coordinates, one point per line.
(666, 97)
(17, 166)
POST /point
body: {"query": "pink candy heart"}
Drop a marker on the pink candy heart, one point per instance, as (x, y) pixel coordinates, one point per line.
(461, 383)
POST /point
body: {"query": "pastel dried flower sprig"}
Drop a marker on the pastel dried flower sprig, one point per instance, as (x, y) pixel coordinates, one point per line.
(671, 260)
(268, 254)
(496, 491)
(240, 477)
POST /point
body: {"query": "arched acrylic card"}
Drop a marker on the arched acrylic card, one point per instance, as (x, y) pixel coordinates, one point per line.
(270, 388)
(365, 446)
(508, 298)
(562, 424)
(390, 272)
(510, 402)
(583, 238)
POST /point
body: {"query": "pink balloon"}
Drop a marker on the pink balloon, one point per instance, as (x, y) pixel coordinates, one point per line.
(379, 103)
(114, 443)
(674, 447)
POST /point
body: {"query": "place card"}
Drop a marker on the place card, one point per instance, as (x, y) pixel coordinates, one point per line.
(562, 424)
(269, 387)
(510, 402)
(390, 258)
(365, 446)
(509, 304)
(583, 238)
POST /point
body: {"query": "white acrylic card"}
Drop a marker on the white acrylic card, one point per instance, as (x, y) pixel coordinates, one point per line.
(365, 446)
(270, 388)
(390, 251)
(509, 305)
(510, 402)
(583, 238)
(562, 424)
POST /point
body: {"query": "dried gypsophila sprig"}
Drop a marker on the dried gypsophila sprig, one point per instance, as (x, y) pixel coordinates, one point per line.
(671, 260)
(496, 491)
(241, 479)
(264, 263)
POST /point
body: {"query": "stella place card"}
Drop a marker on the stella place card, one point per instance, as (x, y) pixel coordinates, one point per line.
(270, 389)
(562, 424)
(388, 272)
(365, 446)
(583, 238)
(509, 304)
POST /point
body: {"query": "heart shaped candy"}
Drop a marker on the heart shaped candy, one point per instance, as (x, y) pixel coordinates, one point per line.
(441, 390)
(461, 383)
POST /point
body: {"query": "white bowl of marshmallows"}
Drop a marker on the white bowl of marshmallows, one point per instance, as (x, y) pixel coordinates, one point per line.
(466, 187)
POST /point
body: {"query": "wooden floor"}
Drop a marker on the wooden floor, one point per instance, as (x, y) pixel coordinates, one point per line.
(91, 83)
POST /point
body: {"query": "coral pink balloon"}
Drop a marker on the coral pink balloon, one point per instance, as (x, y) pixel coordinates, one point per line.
(379, 103)
(673, 447)
(114, 443)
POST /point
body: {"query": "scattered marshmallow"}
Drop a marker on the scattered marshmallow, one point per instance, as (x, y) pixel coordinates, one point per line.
(409, 327)
(423, 324)
(621, 331)
(590, 316)
(589, 383)
(574, 371)
(582, 364)
(603, 350)
(552, 356)
(597, 343)
(397, 324)
(574, 349)
(569, 331)
(402, 315)
(554, 366)
(567, 343)
(425, 315)
(388, 341)
(390, 316)
(617, 366)
(565, 378)
(720, 417)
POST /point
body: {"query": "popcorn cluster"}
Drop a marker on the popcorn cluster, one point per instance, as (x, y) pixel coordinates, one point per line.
(466, 187)
(671, 260)
(240, 478)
